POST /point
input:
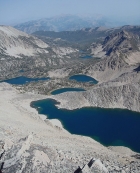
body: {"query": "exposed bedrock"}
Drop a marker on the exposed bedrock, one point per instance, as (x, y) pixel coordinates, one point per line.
(123, 96)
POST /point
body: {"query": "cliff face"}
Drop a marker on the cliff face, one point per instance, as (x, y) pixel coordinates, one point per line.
(31, 143)
(121, 55)
(126, 96)
(121, 42)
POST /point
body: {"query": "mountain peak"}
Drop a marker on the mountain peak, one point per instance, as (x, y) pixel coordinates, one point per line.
(122, 42)
(17, 43)
(11, 32)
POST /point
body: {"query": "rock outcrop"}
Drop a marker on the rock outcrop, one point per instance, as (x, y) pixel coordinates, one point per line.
(94, 165)
(106, 95)
(122, 55)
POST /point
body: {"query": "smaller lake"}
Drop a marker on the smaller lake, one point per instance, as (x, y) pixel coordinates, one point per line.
(62, 90)
(137, 69)
(83, 78)
(21, 71)
(87, 57)
(23, 80)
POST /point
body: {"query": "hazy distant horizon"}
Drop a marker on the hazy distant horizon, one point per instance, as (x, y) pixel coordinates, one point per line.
(19, 11)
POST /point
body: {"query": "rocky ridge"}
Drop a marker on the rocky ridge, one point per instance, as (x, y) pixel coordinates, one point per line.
(125, 96)
(61, 23)
(120, 54)
(19, 50)
(15, 43)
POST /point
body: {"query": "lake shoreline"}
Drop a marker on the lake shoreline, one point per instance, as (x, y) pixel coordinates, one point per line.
(66, 89)
(70, 129)
(23, 80)
(83, 78)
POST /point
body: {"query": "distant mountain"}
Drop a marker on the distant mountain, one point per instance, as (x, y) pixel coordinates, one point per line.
(81, 38)
(118, 48)
(64, 23)
(50, 50)
(72, 23)
(17, 44)
(120, 53)
(85, 36)
(121, 42)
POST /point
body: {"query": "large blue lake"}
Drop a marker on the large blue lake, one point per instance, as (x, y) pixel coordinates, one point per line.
(23, 80)
(111, 127)
(83, 78)
(62, 90)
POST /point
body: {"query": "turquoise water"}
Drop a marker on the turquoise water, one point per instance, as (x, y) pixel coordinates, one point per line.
(108, 126)
(83, 78)
(62, 90)
(23, 80)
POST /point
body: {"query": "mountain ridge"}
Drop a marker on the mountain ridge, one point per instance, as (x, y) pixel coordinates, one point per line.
(14, 42)
(19, 50)
(65, 23)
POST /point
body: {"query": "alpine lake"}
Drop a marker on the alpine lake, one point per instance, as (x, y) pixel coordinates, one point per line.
(62, 90)
(83, 78)
(110, 127)
(23, 80)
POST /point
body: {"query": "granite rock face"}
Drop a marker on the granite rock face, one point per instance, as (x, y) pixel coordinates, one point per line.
(125, 96)
(122, 55)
